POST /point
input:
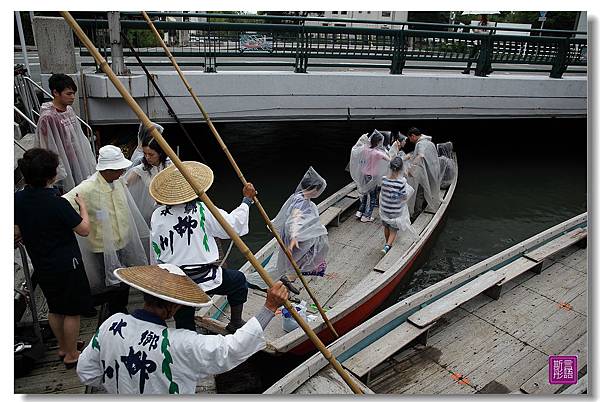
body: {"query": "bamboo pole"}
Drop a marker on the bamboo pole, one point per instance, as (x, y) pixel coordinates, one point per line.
(202, 195)
(263, 213)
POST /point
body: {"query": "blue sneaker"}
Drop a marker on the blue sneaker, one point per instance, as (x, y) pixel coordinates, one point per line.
(386, 248)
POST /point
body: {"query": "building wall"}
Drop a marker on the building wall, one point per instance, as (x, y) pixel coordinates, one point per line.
(362, 15)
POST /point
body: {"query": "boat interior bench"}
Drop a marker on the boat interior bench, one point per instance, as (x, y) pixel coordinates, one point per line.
(543, 253)
(385, 347)
(537, 260)
(332, 214)
(431, 313)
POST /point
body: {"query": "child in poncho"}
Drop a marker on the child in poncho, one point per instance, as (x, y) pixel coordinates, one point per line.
(395, 192)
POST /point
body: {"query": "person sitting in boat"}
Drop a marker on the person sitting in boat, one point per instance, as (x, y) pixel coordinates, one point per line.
(367, 166)
(143, 136)
(140, 354)
(118, 232)
(447, 164)
(138, 178)
(395, 192)
(184, 232)
(423, 173)
(59, 130)
(300, 228)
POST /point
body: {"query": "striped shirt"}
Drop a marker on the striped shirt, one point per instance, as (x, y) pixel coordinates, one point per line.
(393, 196)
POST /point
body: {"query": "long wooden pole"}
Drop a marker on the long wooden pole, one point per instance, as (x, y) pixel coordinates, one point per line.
(202, 195)
(263, 213)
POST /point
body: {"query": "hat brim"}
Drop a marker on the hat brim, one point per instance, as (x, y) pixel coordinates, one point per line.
(169, 187)
(160, 283)
(123, 164)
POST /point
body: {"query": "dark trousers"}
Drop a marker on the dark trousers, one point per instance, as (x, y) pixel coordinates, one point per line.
(366, 208)
(474, 51)
(116, 296)
(234, 286)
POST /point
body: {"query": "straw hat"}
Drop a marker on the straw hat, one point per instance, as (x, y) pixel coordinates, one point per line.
(111, 157)
(169, 187)
(165, 281)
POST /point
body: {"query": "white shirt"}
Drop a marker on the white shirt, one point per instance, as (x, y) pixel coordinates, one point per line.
(139, 354)
(184, 235)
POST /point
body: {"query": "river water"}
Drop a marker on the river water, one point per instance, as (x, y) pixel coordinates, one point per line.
(517, 177)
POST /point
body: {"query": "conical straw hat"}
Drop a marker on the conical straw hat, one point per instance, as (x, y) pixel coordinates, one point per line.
(165, 281)
(169, 187)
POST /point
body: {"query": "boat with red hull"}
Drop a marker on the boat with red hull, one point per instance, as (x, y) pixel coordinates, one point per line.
(358, 280)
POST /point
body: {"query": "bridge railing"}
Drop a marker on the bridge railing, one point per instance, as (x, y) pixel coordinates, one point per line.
(301, 47)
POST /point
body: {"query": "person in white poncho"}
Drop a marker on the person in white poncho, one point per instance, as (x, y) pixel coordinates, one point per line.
(118, 236)
(301, 230)
(59, 130)
(138, 177)
(447, 164)
(141, 354)
(368, 163)
(423, 173)
(143, 137)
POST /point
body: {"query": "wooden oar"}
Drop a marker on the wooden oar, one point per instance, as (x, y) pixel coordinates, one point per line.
(205, 199)
(241, 176)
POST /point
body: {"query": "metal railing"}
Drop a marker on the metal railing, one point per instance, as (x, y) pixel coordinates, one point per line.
(301, 46)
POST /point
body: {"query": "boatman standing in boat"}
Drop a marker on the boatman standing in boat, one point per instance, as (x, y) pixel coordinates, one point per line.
(140, 354)
(423, 173)
(184, 232)
(59, 130)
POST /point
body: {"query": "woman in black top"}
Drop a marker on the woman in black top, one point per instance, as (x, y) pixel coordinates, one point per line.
(45, 222)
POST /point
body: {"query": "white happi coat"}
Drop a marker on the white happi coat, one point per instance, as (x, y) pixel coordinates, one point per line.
(139, 354)
(184, 235)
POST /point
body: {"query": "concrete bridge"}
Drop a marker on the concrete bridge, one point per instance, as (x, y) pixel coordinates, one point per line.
(316, 95)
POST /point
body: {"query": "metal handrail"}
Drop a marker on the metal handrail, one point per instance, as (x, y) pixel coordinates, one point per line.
(306, 42)
(90, 135)
(25, 117)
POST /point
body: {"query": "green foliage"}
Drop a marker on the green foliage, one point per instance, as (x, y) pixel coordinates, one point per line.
(143, 38)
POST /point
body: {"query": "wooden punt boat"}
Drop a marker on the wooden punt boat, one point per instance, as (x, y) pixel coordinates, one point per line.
(358, 280)
(408, 321)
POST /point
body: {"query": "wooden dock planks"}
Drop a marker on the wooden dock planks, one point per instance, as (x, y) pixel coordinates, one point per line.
(499, 346)
(539, 384)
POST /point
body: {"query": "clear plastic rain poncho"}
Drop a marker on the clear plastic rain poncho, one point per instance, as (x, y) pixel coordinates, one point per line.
(138, 152)
(138, 182)
(298, 220)
(119, 236)
(393, 198)
(447, 164)
(368, 165)
(425, 173)
(61, 132)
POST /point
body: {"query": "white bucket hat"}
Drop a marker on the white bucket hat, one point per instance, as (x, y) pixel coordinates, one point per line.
(111, 157)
